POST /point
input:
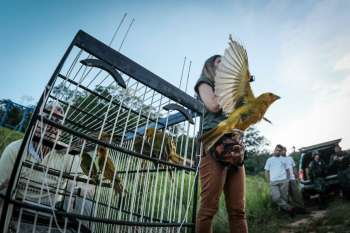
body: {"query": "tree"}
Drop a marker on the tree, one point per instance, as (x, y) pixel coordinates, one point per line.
(254, 142)
(257, 154)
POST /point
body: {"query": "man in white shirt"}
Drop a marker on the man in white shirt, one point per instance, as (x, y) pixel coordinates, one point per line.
(38, 186)
(276, 173)
(294, 192)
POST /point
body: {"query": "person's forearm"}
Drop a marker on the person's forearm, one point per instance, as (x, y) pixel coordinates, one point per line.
(288, 174)
(209, 98)
(267, 176)
(295, 173)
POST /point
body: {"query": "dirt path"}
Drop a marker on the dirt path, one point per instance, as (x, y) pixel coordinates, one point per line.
(305, 220)
(335, 219)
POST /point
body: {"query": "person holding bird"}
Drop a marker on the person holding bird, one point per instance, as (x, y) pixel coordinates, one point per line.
(230, 108)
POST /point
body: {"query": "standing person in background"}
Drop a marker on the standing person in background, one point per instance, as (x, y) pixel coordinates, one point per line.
(276, 171)
(295, 196)
(340, 162)
(214, 176)
(317, 172)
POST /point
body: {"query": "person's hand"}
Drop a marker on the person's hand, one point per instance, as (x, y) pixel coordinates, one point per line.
(236, 156)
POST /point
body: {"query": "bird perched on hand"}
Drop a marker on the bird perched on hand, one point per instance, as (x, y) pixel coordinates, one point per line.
(168, 149)
(235, 96)
(100, 159)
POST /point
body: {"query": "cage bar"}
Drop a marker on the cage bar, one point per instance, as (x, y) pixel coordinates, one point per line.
(121, 156)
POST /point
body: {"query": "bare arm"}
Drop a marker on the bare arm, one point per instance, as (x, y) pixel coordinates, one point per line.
(296, 175)
(267, 176)
(208, 97)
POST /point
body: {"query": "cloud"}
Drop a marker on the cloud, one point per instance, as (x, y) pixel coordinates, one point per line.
(314, 72)
(343, 64)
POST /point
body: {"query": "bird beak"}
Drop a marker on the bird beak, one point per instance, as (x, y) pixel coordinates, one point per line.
(265, 119)
(277, 97)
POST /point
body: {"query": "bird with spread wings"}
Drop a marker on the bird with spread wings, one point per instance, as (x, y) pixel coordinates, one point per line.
(235, 96)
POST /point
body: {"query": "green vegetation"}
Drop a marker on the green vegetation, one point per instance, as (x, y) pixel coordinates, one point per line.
(7, 136)
(260, 215)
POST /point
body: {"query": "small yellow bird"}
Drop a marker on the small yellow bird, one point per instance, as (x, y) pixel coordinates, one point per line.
(98, 163)
(168, 150)
(235, 96)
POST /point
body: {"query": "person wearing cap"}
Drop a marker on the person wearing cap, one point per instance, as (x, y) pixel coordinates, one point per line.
(317, 173)
(276, 171)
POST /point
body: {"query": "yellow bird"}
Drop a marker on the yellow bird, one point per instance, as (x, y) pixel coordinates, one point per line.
(235, 96)
(168, 150)
(98, 163)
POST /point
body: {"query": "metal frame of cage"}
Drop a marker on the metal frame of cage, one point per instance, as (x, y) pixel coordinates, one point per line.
(176, 114)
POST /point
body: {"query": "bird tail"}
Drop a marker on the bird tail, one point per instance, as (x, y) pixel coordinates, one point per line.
(211, 137)
(178, 159)
(174, 157)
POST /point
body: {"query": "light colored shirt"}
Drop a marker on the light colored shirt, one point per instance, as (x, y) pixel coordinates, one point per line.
(290, 165)
(277, 168)
(34, 185)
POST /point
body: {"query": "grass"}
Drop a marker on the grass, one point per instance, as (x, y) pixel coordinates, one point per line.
(259, 211)
(264, 218)
(7, 136)
(261, 216)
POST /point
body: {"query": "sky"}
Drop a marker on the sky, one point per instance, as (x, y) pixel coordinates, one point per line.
(299, 50)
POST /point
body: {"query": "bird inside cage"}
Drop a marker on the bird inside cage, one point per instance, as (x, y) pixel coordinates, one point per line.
(161, 145)
(102, 166)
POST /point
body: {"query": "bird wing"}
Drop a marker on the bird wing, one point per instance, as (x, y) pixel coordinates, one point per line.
(86, 160)
(232, 78)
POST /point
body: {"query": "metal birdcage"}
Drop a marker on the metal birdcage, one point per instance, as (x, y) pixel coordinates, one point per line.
(121, 156)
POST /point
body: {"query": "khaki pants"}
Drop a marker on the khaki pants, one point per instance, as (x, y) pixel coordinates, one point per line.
(294, 193)
(279, 194)
(216, 178)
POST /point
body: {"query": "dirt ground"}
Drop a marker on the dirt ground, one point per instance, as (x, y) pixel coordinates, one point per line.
(334, 219)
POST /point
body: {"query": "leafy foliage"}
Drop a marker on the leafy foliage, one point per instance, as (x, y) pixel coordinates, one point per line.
(257, 154)
(7, 136)
(254, 141)
(12, 116)
(259, 213)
